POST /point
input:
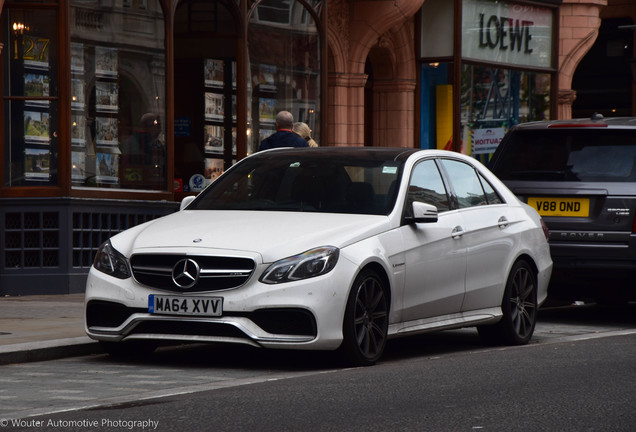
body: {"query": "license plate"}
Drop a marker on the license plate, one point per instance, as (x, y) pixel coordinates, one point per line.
(569, 207)
(176, 305)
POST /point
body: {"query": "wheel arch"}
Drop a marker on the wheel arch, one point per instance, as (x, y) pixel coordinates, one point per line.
(378, 269)
(527, 258)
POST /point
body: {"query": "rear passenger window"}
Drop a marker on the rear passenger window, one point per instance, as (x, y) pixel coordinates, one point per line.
(465, 183)
(491, 195)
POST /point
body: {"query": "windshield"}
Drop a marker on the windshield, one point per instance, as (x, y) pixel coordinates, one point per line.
(306, 182)
(586, 155)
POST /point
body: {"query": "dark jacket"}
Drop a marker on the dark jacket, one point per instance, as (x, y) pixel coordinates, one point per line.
(283, 138)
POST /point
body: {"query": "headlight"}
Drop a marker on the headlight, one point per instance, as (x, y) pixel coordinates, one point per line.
(308, 264)
(111, 262)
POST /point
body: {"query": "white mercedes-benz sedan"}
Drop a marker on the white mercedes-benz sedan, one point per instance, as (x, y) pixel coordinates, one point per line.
(327, 249)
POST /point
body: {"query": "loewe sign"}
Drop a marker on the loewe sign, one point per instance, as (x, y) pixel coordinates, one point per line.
(508, 33)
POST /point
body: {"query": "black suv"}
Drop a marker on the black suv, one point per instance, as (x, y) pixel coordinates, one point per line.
(580, 175)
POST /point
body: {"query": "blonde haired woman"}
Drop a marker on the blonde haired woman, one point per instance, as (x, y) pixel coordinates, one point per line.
(302, 129)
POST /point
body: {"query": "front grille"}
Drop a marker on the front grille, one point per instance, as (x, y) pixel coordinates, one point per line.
(215, 273)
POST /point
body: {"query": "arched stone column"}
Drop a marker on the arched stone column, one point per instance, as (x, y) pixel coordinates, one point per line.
(346, 109)
(565, 100)
(393, 116)
(393, 88)
(579, 25)
(355, 28)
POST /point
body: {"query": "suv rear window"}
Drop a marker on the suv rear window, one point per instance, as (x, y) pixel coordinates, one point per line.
(586, 155)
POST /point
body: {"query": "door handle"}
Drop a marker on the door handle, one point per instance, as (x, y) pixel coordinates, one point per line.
(457, 232)
(502, 222)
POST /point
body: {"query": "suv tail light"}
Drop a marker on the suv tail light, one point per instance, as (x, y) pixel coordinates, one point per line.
(546, 231)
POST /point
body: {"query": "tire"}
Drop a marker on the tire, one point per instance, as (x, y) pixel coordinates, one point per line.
(129, 350)
(519, 307)
(366, 321)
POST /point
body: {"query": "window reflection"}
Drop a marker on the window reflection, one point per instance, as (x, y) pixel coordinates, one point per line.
(30, 98)
(426, 186)
(118, 95)
(494, 99)
(284, 68)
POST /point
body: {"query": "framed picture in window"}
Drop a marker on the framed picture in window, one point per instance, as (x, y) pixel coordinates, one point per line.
(213, 169)
(37, 164)
(214, 106)
(265, 77)
(213, 136)
(36, 85)
(213, 73)
(106, 131)
(267, 110)
(106, 63)
(36, 127)
(106, 97)
(107, 169)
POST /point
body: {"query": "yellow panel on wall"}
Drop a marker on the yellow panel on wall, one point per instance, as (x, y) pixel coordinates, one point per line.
(444, 115)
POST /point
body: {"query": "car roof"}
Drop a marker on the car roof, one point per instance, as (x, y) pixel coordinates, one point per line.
(596, 121)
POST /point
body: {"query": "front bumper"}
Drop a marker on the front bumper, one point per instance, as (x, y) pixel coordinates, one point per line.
(305, 314)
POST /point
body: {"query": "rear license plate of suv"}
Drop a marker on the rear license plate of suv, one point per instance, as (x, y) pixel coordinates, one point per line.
(568, 207)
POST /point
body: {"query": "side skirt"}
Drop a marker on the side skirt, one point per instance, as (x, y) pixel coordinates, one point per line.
(445, 322)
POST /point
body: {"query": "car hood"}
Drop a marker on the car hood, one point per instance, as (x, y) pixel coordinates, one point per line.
(272, 235)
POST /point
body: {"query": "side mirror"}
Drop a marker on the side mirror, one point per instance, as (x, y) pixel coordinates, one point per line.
(423, 213)
(186, 202)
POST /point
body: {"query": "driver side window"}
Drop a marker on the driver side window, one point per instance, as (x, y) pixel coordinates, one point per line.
(426, 186)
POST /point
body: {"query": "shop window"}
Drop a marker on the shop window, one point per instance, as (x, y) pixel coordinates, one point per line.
(30, 97)
(284, 68)
(493, 99)
(118, 95)
(205, 64)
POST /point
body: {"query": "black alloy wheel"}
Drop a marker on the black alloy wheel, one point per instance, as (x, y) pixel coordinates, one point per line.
(366, 320)
(519, 307)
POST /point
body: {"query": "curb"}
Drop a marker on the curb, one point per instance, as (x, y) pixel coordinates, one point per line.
(48, 350)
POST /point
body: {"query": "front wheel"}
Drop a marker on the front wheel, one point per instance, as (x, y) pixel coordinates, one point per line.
(519, 307)
(366, 320)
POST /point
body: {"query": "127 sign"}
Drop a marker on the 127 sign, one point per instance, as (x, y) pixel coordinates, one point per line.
(181, 305)
(33, 49)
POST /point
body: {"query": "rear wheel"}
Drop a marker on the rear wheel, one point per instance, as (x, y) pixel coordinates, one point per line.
(519, 307)
(366, 320)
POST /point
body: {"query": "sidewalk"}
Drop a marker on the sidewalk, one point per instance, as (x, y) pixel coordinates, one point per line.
(42, 327)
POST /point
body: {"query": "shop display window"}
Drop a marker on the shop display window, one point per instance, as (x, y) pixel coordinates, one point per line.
(493, 99)
(30, 98)
(284, 68)
(118, 96)
(219, 134)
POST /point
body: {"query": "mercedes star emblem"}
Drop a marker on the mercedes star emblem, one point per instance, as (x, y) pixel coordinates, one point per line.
(185, 273)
